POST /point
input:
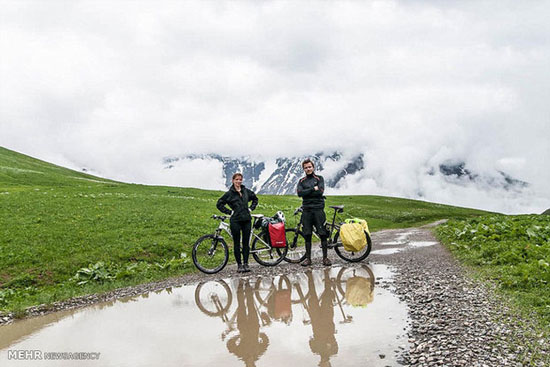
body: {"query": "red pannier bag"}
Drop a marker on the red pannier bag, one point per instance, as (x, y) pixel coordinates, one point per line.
(277, 234)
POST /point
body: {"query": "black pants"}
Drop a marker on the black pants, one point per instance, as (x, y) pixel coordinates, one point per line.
(236, 228)
(314, 218)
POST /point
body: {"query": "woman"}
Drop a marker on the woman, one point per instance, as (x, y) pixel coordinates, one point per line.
(237, 198)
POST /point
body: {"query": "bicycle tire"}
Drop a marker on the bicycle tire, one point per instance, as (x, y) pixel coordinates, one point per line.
(201, 305)
(344, 275)
(352, 256)
(296, 246)
(206, 254)
(267, 256)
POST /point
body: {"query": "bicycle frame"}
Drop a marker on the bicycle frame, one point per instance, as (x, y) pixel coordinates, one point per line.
(223, 226)
(330, 227)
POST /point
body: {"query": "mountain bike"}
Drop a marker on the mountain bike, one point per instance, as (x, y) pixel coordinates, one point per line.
(211, 252)
(296, 241)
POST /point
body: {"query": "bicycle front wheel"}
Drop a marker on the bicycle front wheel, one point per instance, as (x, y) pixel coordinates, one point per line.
(210, 254)
(213, 297)
(352, 256)
(296, 246)
(265, 254)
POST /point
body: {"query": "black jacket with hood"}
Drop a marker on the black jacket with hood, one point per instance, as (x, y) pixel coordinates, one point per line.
(238, 203)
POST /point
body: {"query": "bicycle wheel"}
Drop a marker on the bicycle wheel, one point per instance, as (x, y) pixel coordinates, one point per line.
(300, 288)
(267, 255)
(213, 298)
(296, 246)
(344, 274)
(210, 254)
(352, 256)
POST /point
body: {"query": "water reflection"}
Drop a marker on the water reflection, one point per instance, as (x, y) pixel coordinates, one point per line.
(321, 317)
(317, 294)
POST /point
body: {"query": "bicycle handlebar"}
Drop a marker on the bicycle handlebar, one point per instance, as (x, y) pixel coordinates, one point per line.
(220, 217)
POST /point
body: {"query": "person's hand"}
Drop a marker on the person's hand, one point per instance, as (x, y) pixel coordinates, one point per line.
(316, 188)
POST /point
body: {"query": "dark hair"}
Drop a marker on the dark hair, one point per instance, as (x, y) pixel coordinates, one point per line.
(306, 161)
(235, 175)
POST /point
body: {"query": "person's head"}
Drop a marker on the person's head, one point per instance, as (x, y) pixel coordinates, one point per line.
(308, 166)
(237, 179)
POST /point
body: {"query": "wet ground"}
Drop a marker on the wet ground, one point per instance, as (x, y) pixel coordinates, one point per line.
(332, 316)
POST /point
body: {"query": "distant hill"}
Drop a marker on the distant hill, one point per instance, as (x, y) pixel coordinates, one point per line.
(20, 169)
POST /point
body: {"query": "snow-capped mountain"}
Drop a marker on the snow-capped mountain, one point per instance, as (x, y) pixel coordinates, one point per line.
(458, 173)
(279, 177)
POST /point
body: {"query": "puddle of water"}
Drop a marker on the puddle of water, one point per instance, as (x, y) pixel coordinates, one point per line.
(422, 243)
(387, 251)
(322, 317)
(393, 243)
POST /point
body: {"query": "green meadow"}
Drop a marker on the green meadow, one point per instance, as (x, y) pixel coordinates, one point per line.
(65, 233)
(511, 251)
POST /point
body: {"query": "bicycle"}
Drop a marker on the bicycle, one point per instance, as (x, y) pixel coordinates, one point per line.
(211, 253)
(296, 242)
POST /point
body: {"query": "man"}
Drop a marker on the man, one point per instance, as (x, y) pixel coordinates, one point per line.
(311, 189)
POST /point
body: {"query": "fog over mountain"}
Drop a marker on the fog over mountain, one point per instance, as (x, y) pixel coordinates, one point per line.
(443, 101)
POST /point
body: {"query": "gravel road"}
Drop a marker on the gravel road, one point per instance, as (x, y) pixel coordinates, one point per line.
(455, 321)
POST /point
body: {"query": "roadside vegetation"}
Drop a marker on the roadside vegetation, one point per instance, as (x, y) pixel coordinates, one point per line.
(512, 252)
(65, 233)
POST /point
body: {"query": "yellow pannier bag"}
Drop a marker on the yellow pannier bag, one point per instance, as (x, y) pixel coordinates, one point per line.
(361, 222)
(358, 291)
(353, 236)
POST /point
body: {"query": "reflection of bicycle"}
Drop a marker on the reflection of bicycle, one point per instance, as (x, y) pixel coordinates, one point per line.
(296, 241)
(361, 282)
(214, 298)
(211, 252)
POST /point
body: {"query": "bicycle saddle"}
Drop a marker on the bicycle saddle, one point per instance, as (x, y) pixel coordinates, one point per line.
(338, 208)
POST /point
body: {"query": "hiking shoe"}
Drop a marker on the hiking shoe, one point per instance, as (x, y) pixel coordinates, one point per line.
(306, 262)
(240, 269)
(327, 262)
(246, 268)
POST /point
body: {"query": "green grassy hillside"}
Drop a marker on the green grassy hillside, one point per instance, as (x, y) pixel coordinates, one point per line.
(55, 222)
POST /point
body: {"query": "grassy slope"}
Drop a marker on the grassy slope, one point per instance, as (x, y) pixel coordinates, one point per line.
(55, 221)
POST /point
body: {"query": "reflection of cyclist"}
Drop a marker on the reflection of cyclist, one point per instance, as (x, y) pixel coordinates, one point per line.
(237, 197)
(321, 313)
(250, 344)
(311, 189)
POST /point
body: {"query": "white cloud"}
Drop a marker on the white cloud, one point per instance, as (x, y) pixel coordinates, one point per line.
(111, 85)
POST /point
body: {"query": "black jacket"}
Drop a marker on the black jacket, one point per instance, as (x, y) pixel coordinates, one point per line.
(312, 199)
(238, 203)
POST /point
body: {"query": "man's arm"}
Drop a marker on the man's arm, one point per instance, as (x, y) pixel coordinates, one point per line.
(302, 191)
(320, 187)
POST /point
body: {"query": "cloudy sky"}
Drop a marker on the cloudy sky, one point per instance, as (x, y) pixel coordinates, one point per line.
(115, 86)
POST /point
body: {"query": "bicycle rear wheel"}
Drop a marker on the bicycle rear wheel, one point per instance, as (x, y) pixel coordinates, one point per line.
(352, 256)
(296, 246)
(265, 254)
(210, 254)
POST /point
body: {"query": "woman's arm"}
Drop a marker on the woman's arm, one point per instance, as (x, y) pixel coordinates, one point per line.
(221, 205)
(252, 197)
